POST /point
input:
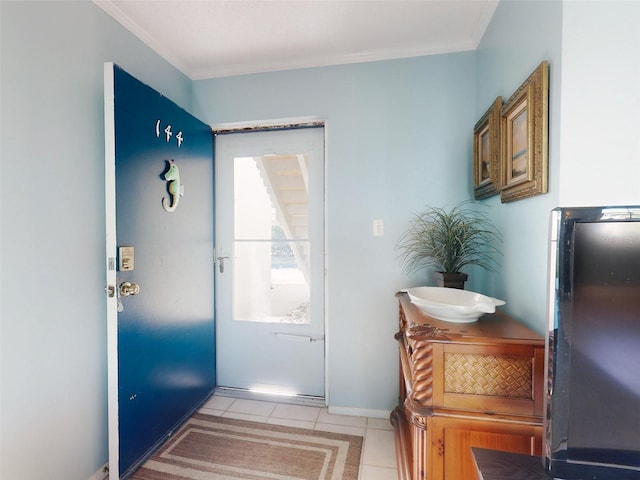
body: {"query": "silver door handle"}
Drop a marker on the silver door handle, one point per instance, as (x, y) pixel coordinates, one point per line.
(221, 264)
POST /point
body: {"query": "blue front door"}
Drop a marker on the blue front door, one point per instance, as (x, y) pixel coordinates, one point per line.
(160, 266)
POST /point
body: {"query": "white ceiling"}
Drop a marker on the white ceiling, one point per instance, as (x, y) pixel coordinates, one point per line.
(217, 38)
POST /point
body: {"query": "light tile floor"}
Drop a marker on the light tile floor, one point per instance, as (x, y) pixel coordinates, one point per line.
(378, 461)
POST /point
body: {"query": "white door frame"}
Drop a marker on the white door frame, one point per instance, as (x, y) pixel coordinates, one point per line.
(112, 301)
(292, 123)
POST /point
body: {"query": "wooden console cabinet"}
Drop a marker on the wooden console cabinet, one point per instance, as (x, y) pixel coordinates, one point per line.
(465, 385)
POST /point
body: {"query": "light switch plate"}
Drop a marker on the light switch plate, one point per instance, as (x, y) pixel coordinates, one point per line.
(378, 227)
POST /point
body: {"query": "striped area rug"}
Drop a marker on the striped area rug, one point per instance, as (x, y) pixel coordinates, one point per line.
(212, 448)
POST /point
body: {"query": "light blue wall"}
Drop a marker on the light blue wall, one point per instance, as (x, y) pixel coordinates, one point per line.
(593, 123)
(520, 36)
(600, 103)
(398, 139)
(53, 332)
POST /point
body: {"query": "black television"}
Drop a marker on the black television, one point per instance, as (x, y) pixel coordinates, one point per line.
(592, 402)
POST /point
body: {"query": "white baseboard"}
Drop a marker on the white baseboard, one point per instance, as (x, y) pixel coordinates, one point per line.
(359, 412)
(101, 474)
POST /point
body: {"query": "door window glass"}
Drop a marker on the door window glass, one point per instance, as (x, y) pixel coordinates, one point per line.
(271, 239)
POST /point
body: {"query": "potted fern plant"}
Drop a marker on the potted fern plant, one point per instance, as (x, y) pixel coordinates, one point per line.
(447, 241)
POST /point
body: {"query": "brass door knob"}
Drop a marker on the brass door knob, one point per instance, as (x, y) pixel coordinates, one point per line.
(129, 288)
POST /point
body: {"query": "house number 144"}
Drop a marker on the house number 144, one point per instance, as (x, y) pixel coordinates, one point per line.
(168, 133)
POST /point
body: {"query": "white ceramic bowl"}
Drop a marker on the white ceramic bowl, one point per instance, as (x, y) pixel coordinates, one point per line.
(452, 304)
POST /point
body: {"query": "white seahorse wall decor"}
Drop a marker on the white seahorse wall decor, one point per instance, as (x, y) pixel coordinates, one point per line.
(175, 188)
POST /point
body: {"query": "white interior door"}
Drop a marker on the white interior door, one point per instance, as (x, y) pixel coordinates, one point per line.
(270, 249)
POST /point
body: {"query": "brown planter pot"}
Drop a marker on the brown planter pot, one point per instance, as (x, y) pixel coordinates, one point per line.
(451, 280)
